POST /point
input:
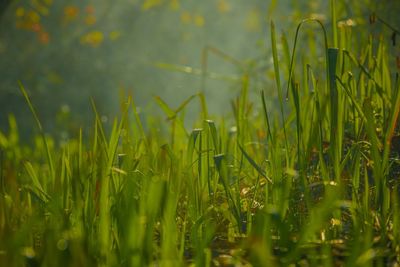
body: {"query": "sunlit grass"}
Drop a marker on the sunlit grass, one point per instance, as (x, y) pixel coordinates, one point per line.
(317, 185)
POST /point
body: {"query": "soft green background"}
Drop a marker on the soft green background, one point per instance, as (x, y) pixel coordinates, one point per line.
(63, 72)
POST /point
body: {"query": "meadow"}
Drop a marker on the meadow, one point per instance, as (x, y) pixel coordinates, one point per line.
(314, 182)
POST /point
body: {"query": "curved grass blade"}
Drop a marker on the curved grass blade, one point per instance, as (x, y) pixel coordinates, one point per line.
(254, 164)
(39, 125)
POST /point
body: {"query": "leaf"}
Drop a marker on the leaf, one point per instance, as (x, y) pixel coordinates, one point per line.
(37, 187)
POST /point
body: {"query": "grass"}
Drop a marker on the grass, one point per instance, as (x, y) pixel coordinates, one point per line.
(316, 183)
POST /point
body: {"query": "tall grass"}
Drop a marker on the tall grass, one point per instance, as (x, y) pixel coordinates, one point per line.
(314, 183)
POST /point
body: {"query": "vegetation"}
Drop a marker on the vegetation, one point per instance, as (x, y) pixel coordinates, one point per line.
(316, 183)
(68, 52)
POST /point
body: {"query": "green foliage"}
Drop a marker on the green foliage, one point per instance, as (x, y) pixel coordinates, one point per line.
(315, 183)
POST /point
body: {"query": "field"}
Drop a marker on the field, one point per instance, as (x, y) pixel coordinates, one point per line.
(313, 182)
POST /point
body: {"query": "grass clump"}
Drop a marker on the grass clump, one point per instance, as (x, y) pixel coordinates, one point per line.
(317, 185)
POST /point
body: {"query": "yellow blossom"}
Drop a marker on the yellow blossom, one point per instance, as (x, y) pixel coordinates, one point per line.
(20, 12)
(199, 20)
(93, 38)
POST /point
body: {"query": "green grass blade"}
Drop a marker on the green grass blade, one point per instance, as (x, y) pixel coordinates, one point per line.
(39, 125)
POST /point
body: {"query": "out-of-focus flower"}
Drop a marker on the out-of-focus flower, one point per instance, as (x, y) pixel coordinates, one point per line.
(36, 27)
(149, 4)
(70, 13)
(94, 38)
(20, 12)
(223, 6)
(199, 20)
(28, 19)
(89, 9)
(33, 17)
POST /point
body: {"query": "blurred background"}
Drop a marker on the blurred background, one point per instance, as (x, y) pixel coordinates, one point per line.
(65, 52)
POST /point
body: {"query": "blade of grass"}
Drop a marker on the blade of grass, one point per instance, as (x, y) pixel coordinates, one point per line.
(41, 131)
